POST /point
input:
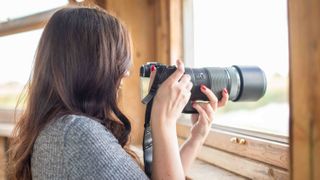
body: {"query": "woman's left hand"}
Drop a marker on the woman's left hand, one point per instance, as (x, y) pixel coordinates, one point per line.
(202, 122)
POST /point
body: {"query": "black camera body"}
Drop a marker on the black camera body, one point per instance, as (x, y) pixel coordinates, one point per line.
(244, 83)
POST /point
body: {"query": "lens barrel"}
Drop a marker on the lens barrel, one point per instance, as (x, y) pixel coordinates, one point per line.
(244, 83)
(253, 83)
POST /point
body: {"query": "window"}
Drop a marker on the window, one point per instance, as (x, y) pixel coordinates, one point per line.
(247, 32)
(222, 33)
(17, 53)
(18, 49)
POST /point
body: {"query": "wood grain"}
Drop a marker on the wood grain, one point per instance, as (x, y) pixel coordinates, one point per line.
(139, 17)
(169, 32)
(8, 115)
(6, 129)
(176, 30)
(304, 37)
(203, 170)
(26, 23)
(2, 159)
(156, 30)
(240, 165)
(162, 24)
(276, 154)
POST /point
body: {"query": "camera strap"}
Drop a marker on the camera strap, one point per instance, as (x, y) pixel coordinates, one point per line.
(147, 136)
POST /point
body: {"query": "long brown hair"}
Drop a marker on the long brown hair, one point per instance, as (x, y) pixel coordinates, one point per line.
(81, 58)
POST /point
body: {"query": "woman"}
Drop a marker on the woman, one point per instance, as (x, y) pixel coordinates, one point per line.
(72, 127)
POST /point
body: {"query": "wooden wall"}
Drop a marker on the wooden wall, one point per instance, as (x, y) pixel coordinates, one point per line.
(139, 18)
(149, 22)
(304, 30)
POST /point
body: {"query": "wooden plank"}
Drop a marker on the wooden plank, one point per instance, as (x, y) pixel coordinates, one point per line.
(6, 129)
(276, 154)
(176, 30)
(3, 159)
(8, 115)
(304, 41)
(162, 24)
(139, 17)
(156, 29)
(199, 169)
(202, 170)
(242, 166)
(169, 32)
(26, 23)
(239, 165)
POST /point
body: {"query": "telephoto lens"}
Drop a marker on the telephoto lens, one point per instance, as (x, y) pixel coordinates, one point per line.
(244, 83)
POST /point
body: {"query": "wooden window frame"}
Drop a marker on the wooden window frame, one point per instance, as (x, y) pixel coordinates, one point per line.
(265, 158)
(26, 23)
(38, 20)
(265, 155)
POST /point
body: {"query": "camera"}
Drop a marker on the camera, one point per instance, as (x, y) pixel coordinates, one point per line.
(244, 83)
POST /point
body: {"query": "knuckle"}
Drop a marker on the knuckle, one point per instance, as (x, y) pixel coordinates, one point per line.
(180, 70)
(187, 76)
(215, 99)
(172, 86)
(188, 95)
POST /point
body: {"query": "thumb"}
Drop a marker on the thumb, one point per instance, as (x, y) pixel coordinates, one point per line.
(152, 76)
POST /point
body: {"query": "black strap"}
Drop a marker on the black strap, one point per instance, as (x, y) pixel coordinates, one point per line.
(147, 142)
(147, 137)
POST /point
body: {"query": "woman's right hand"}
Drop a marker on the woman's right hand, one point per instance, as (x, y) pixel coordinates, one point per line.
(172, 96)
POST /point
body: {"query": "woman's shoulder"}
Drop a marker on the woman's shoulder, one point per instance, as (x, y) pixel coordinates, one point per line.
(74, 128)
(79, 147)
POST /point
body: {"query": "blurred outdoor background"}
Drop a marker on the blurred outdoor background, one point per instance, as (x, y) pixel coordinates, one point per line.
(211, 29)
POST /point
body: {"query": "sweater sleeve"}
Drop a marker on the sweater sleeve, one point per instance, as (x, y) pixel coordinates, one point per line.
(92, 152)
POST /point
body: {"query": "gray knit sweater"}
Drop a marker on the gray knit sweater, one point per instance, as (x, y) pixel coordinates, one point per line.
(76, 147)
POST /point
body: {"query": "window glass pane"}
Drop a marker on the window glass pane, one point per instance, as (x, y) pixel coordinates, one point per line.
(16, 58)
(246, 32)
(18, 8)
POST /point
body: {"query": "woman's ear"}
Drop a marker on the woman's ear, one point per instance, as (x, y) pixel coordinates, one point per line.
(127, 73)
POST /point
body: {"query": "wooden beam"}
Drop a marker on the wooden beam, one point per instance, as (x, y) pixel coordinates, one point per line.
(274, 153)
(8, 115)
(203, 170)
(304, 41)
(26, 23)
(3, 159)
(176, 30)
(199, 169)
(138, 16)
(6, 129)
(162, 24)
(240, 165)
(169, 32)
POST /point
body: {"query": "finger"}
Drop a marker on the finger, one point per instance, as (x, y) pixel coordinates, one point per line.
(185, 95)
(200, 110)
(189, 86)
(213, 100)
(224, 99)
(186, 78)
(194, 118)
(152, 76)
(209, 110)
(178, 73)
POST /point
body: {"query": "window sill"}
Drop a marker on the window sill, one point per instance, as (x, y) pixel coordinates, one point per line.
(256, 158)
